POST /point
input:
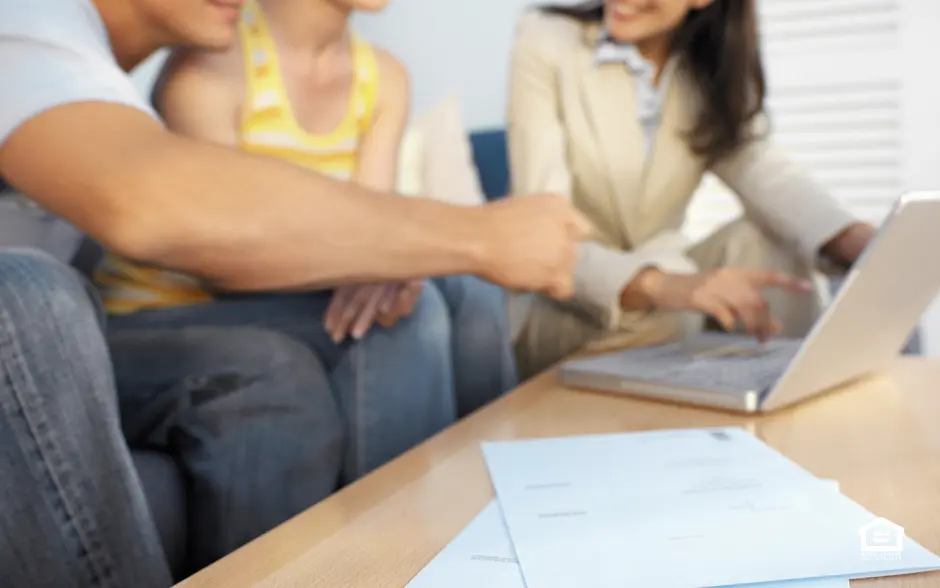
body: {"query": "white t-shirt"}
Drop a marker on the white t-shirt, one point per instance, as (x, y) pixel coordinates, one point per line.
(52, 52)
(56, 52)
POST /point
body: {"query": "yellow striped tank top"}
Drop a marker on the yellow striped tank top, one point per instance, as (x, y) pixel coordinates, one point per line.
(267, 127)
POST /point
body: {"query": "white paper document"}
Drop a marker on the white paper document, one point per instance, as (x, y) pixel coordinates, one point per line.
(683, 509)
(482, 556)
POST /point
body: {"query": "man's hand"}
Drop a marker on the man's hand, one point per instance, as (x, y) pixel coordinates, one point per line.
(731, 295)
(531, 244)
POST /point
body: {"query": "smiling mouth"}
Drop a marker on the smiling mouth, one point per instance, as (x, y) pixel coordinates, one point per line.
(623, 11)
(230, 8)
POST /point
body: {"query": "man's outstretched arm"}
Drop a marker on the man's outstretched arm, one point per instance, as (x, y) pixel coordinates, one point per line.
(253, 223)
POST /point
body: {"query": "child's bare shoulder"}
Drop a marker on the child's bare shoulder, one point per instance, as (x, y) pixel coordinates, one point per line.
(393, 75)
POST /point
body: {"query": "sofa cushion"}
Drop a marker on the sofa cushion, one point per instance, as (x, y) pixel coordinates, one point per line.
(436, 158)
(165, 489)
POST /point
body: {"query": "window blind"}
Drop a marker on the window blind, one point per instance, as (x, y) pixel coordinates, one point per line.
(835, 101)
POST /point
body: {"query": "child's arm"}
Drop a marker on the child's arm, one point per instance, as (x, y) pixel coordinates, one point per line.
(354, 309)
(377, 164)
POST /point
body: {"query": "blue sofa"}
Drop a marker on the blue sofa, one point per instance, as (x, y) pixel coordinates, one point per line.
(492, 162)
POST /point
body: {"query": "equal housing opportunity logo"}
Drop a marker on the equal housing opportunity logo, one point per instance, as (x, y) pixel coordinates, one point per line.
(881, 540)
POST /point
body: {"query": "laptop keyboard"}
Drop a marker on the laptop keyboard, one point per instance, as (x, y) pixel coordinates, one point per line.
(726, 367)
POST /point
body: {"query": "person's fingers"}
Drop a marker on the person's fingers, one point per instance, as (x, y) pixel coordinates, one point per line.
(746, 311)
(763, 322)
(389, 315)
(334, 311)
(329, 316)
(751, 309)
(389, 296)
(367, 315)
(775, 327)
(403, 298)
(406, 300)
(351, 311)
(782, 280)
(719, 310)
(409, 297)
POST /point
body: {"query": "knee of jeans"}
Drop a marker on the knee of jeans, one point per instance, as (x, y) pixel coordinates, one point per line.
(288, 368)
(35, 286)
(256, 371)
(428, 328)
(480, 320)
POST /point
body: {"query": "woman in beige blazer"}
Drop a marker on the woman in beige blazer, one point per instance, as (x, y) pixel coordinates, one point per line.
(622, 106)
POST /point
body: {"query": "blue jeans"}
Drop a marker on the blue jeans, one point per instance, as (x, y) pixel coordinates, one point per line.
(244, 410)
(72, 512)
(394, 388)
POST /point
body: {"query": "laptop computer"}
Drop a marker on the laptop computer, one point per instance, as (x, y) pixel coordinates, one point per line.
(860, 334)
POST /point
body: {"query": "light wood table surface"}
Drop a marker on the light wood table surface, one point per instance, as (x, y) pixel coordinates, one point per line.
(879, 439)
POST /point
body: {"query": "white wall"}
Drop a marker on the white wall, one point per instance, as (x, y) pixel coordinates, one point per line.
(451, 46)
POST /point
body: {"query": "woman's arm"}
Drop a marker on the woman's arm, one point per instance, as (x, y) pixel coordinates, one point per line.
(787, 201)
(536, 133)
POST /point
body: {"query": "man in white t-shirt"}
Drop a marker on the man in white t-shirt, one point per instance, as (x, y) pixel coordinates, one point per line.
(76, 137)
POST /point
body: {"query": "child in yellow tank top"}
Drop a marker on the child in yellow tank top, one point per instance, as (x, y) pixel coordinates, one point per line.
(267, 126)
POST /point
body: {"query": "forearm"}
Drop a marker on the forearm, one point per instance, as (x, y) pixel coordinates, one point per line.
(253, 223)
(785, 198)
(610, 281)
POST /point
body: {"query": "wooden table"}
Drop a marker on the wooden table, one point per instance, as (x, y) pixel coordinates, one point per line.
(880, 440)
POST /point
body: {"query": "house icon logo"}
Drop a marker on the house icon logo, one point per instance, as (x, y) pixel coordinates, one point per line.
(882, 540)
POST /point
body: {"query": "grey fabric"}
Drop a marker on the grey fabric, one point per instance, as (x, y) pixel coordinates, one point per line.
(24, 224)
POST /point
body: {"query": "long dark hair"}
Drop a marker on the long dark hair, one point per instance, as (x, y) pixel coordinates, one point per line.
(719, 48)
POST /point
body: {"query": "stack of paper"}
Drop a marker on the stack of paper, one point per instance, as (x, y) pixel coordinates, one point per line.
(671, 509)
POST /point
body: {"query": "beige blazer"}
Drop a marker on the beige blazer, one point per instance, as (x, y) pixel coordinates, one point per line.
(573, 130)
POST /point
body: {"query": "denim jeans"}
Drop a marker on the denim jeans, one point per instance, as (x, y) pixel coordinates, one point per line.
(72, 512)
(246, 412)
(394, 388)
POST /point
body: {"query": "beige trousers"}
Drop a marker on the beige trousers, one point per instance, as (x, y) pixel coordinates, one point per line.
(552, 331)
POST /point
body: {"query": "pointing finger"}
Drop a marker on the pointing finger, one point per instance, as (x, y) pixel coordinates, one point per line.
(782, 280)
